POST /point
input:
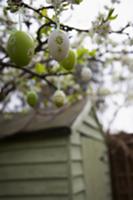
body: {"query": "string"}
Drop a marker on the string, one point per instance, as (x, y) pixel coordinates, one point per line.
(57, 21)
(20, 20)
(57, 11)
(59, 83)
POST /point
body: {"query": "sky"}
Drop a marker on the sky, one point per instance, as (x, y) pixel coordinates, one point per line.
(85, 12)
(82, 16)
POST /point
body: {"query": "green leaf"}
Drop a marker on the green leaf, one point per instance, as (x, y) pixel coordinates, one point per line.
(110, 15)
(113, 17)
(92, 53)
(5, 11)
(78, 1)
(110, 12)
(44, 12)
(81, 52)
(40, 68)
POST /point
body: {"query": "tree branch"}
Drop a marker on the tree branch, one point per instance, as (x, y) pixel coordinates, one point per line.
(34, 74)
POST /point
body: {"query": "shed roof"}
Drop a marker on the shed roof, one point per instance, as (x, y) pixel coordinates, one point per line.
(39, 120)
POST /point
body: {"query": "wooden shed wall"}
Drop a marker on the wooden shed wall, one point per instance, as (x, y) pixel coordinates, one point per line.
(51, 168)
(96, 169)
(94, 163)
(76, 164)
(34, 169)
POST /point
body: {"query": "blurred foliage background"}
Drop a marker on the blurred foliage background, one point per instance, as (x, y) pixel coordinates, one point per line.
(106, 52)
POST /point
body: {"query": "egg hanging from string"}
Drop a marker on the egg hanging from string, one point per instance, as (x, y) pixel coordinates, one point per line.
(58, 44)
(20, 48)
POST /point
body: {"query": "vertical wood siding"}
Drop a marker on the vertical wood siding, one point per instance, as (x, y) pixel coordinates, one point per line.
(96, 168)
(91, 175)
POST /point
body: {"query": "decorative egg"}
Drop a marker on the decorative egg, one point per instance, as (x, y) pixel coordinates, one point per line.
(58, 44)
(59, 98)
(69, 62)
(20, 48)
(86, 74)
(32, 98)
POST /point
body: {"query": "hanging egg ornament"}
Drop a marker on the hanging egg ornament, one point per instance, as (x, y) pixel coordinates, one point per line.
(20, 48)
(70, 61)
(32, 98)
(58, 44)
(86, 74)
(59, 98)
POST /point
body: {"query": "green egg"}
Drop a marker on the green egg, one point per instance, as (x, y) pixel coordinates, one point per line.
(32, 98)
(70, 61)
(20, 48)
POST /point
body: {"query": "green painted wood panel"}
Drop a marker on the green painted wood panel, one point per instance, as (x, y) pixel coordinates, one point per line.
(36, 187)
(91, 121)
(55, 197)
(75, 152)
(31, 143)
(52, 154)
(80, 196)
(78, 184)
(95, 170)
(75, 138)
(33, 171)
(76, 168)
(90, 132)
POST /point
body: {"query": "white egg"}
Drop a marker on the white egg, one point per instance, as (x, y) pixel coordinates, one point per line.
(86, 74)
(58, 44)
(59, 98)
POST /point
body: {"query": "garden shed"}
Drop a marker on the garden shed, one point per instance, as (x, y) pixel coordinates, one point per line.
(58, 157)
